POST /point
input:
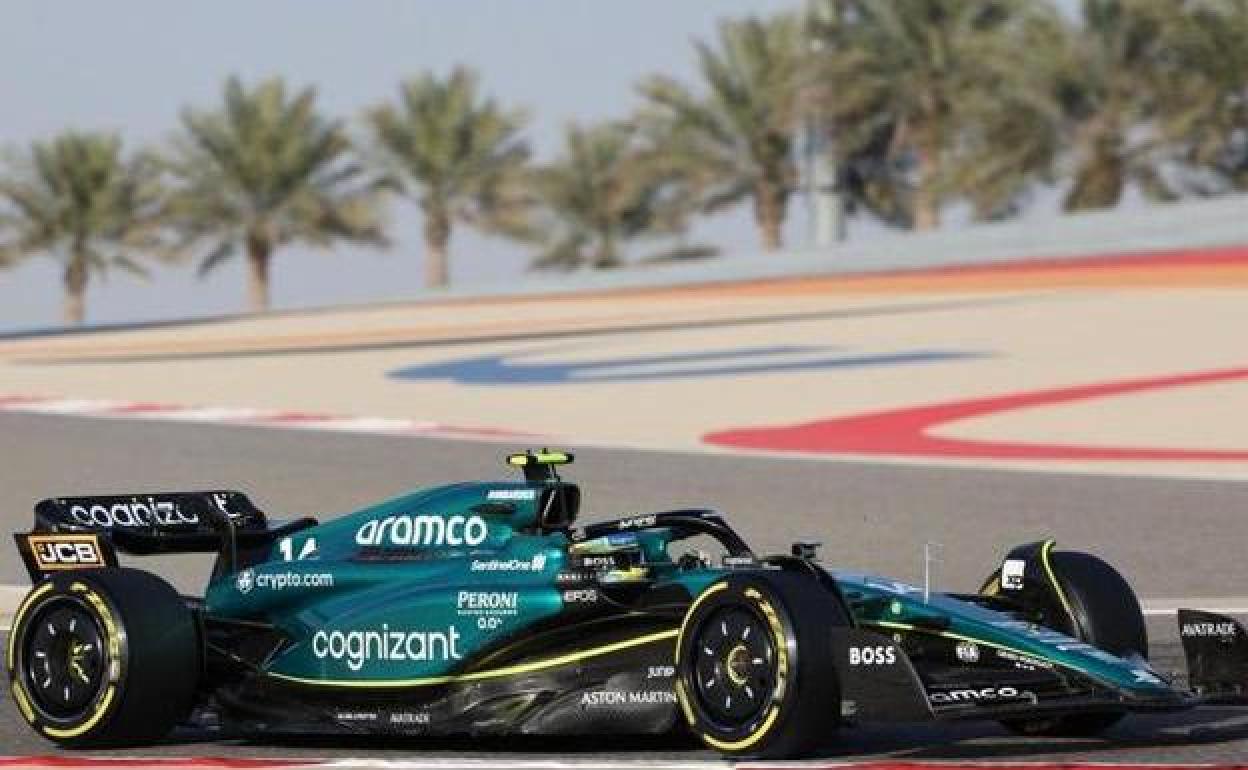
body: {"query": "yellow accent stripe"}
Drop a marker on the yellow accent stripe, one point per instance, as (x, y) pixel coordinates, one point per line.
(100, 710)
(971, 639)
(1045, 550)
(522, 668)
(17, 619)
(745, 742)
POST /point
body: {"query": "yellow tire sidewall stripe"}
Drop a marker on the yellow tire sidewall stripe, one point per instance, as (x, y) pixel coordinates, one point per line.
(681, 696)
(17, 620)
(782, 655)
(113, 640)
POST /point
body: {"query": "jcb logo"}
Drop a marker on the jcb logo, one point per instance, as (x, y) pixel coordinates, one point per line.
(66, 552)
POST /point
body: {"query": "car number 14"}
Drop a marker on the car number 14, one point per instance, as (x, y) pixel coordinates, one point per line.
(286, 547)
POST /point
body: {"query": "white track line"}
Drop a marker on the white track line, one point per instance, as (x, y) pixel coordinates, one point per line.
(532, 764)
(392, 426)
(1221, 605)
(66, 406)
(449, 763)
(268, 418)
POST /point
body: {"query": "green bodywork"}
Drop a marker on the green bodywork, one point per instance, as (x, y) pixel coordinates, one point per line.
(412, 591)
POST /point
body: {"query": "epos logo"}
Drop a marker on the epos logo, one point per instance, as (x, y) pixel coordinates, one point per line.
(66, 551)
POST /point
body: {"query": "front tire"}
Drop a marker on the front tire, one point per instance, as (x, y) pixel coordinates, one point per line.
(1099, 608)
(103, 658)
(755, 672)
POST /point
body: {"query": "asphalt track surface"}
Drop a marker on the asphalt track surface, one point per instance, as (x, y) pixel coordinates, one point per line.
(1172, 539)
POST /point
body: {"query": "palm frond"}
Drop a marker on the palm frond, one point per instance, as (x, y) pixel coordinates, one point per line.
(77, 197)
(217, 257)
(443, 144)
(734, 139)
(267, 165)
(602, 193)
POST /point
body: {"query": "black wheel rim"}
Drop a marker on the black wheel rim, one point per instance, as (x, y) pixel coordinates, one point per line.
(63, 659)
(735, 668)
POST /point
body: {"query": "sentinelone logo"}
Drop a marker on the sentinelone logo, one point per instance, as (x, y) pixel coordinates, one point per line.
(360, 647)
(424, 530)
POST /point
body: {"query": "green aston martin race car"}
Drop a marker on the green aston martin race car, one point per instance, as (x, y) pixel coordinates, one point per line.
(482, 608)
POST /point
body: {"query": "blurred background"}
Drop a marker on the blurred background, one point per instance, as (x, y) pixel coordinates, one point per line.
(880, 273)
(158, 159)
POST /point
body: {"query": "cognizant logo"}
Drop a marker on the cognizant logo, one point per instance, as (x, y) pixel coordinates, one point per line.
(360, 647)
(423, 530)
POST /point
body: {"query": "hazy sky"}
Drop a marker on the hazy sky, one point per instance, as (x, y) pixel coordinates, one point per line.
(131, 65)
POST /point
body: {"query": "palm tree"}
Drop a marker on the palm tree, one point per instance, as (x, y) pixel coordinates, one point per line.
(79, 199)
(735, 141)
(264, 171)
(605, 190)
(1116, 69)
(1204, 111)
(456, 154)
(936, 87)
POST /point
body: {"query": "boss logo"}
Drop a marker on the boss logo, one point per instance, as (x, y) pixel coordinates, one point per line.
(66, 551)
(878, 655)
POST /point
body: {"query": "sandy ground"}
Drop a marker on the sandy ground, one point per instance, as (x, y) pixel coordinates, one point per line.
(668, 368)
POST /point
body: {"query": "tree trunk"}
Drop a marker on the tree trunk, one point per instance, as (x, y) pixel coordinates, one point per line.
(769, 205)
(437, 257)
(605, 255)
(1102, 171)
(926, 197)
(76, 290)
(259, 255)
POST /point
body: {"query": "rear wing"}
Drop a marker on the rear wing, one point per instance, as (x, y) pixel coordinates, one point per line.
(87, 532)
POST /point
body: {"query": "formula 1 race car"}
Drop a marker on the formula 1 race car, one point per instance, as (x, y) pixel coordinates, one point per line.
(480, 608)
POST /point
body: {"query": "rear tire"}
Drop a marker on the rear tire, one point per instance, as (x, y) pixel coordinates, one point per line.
(755, 671)
(1104, 612)
(104, 657)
